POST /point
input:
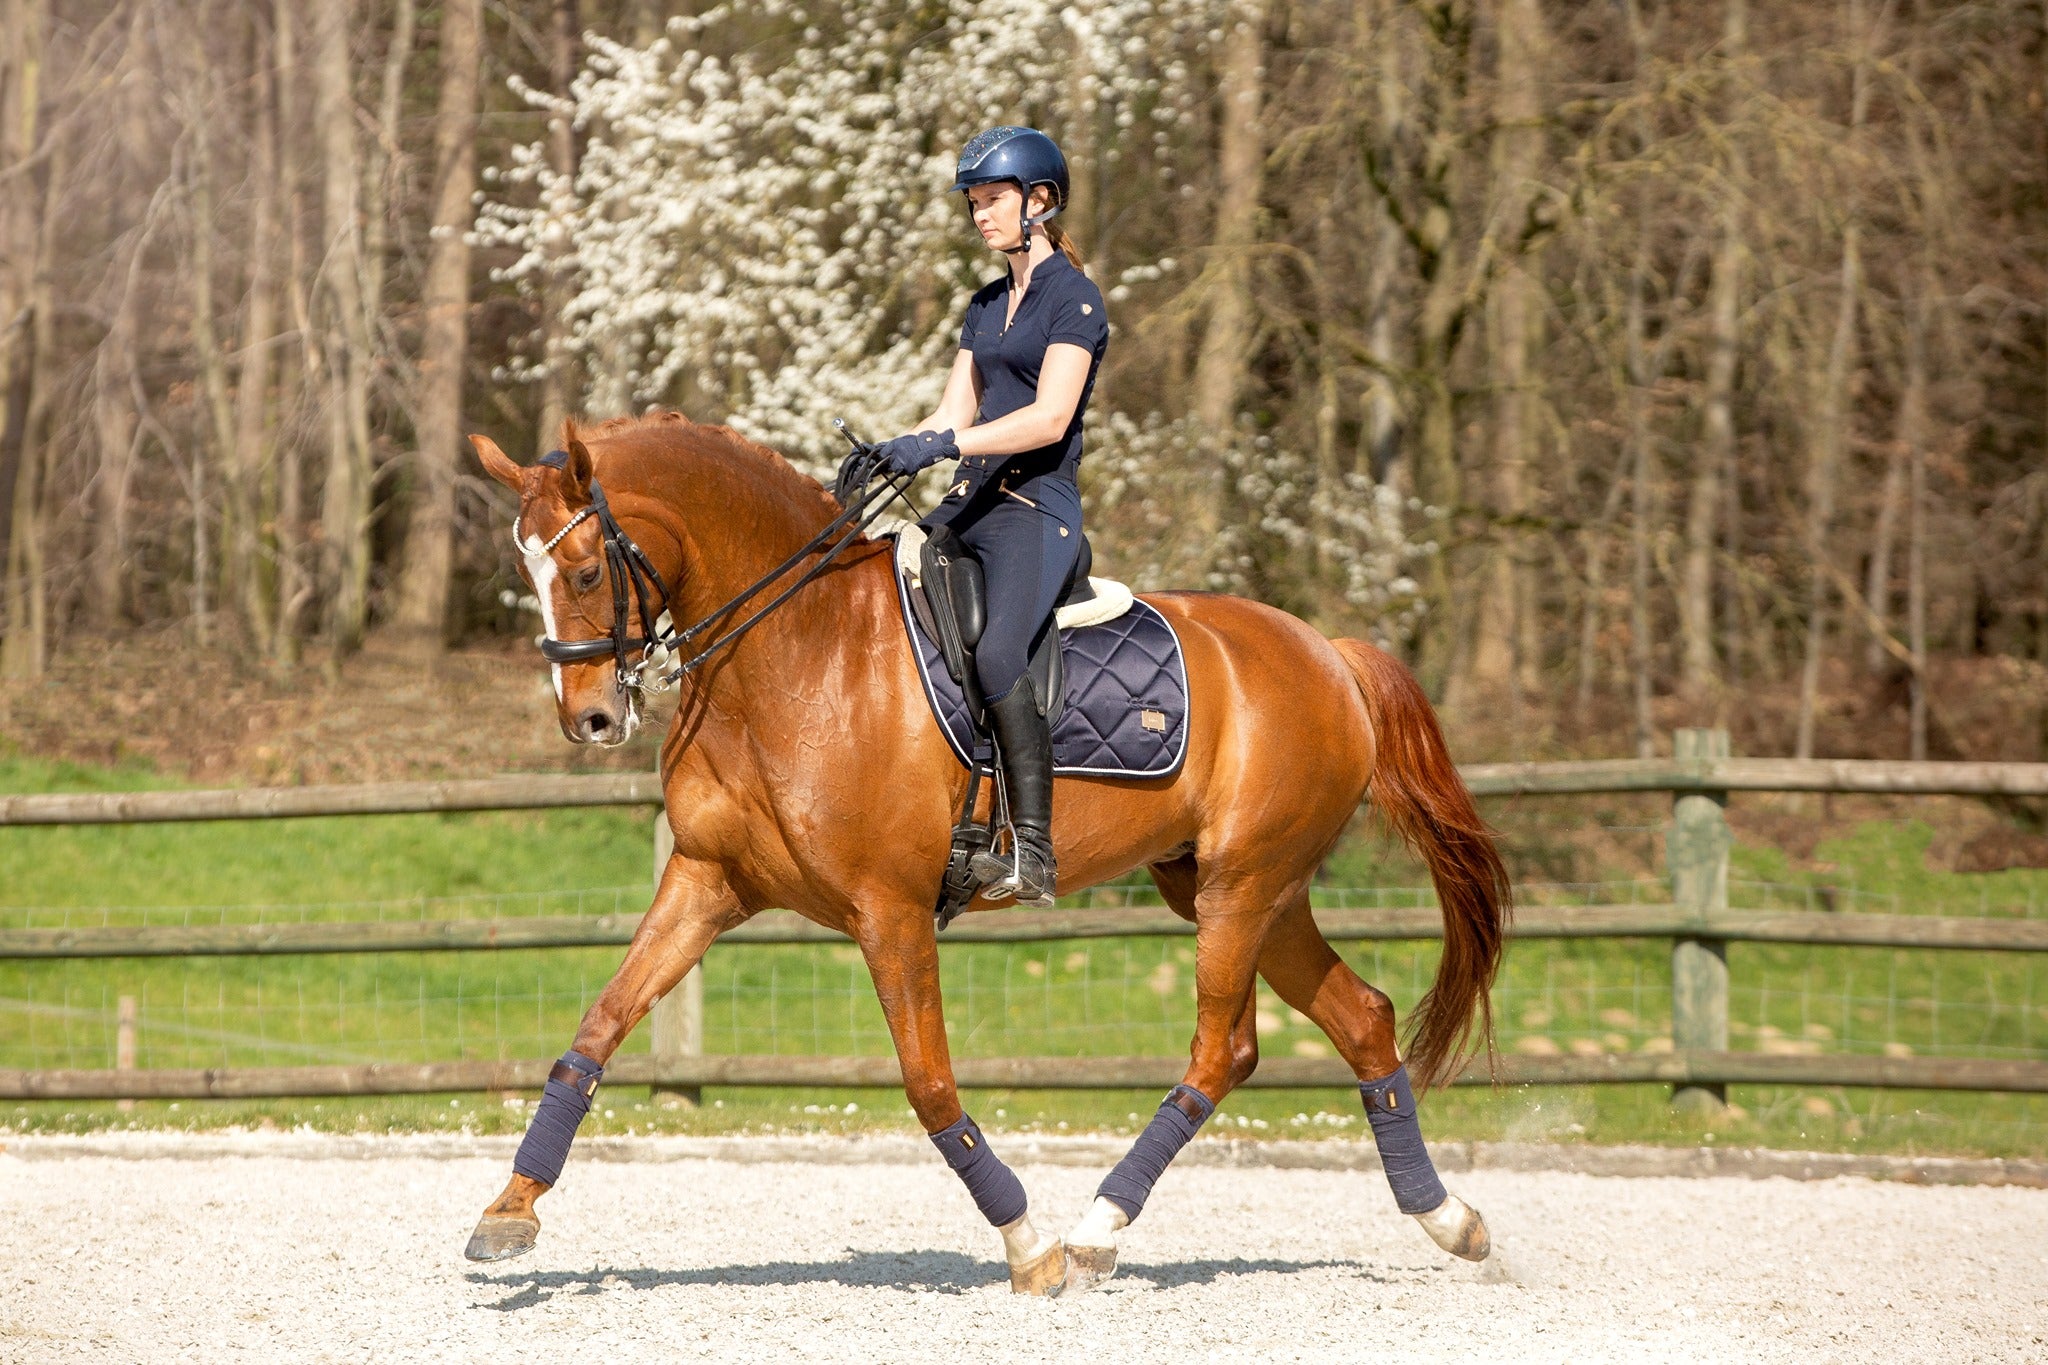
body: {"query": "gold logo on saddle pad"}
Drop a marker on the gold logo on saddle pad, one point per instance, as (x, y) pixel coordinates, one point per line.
(1153, 720)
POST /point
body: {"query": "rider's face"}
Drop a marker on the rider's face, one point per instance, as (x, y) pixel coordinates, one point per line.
(998, 210)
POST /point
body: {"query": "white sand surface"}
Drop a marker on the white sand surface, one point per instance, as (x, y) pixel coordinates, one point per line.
(245, 1249)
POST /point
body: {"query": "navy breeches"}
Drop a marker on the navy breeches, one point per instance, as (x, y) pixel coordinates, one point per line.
(1026, 552)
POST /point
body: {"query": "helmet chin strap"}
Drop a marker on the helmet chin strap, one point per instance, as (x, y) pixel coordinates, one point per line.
(1027, 221)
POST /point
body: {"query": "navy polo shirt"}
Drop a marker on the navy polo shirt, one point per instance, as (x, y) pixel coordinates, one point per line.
(1061, 304)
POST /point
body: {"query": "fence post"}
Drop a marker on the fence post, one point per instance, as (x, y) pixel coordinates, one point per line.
(1697, 852)
(677, 1020)
(125, 1015)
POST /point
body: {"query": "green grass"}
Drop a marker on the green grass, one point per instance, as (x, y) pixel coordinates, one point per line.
(1094, 998)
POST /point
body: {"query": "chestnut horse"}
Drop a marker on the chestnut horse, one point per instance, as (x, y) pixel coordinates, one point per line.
(804, 770)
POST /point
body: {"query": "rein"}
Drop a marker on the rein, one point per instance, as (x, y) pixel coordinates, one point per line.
(863, 501)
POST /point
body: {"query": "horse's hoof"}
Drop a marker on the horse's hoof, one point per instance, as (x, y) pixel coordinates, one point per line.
(1088, 1267)
(1457, 1227)
(1044, 1275)
(498, 1238)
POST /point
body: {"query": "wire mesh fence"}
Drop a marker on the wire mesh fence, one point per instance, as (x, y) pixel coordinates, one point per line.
(1117, 996)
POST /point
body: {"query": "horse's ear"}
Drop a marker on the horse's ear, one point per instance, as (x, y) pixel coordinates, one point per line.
(497, 463)
(579, 471)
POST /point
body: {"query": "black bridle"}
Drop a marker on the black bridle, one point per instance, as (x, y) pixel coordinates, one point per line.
(862, 500)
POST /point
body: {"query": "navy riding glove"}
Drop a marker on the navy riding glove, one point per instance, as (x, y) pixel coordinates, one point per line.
(909, 454)
(854, 472)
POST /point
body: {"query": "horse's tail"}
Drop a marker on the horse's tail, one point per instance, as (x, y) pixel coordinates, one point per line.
(1419, 793)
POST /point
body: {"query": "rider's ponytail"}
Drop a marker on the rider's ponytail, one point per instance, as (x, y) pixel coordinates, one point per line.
(1063, 244)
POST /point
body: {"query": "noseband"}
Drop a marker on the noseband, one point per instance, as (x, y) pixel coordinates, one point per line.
(863, 500)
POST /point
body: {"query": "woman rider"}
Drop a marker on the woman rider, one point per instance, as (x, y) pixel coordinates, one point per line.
(1029, 349)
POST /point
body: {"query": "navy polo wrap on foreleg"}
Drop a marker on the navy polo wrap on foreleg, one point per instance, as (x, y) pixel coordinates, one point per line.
(1181, 1115)
(997, 1191)
(1390, 1109)
(562, 1107)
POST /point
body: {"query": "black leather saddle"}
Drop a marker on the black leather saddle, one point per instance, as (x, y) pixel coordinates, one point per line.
(952, 605)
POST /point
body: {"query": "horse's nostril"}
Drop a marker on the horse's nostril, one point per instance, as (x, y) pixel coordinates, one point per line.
(595, 723)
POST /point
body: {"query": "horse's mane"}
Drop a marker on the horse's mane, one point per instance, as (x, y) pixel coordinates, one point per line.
(669, 433)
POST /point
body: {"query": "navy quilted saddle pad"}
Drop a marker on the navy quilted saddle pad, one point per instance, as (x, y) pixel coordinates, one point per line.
(1127, 696)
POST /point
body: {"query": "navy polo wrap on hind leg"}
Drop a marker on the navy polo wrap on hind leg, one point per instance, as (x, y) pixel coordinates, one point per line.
(997, 1191)
(563, 1103)
(1390, 1109)
(1181, 1115)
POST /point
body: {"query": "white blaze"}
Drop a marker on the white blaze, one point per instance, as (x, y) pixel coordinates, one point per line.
(540, 567)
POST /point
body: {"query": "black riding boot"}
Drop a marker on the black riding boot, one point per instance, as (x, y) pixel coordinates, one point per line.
(1025, 741)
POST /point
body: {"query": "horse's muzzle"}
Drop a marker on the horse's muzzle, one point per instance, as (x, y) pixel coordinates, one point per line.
(609, 723)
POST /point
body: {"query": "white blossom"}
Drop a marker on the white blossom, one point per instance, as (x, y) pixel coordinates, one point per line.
(766, 239)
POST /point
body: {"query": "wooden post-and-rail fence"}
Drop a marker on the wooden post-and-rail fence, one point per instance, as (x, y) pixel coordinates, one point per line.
(1698, 922)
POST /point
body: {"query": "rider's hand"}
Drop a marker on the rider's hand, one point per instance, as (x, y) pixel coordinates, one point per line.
(909, 454)
(852, 473)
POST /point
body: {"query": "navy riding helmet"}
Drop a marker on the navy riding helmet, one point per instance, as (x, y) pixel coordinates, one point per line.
(1023, 156)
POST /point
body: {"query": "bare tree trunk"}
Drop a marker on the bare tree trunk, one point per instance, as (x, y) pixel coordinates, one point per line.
(1596, 538)
(1877, 591)
(1381, 433)
(346, 346)
(1078, 109)
(114, 426)
(1503, 652)
(1830, 434)
(27, 341)
(296, 586)
(1640, 377)
(422, 609)
(565, 46)
(1877, 582)
(384, 164)
(1716, 464)
(1222, 359)
(249, 496)
(1913, 437)
(22, 25)
(1639, 505)
(1416, 172)
(1220, 365)
(213, 437)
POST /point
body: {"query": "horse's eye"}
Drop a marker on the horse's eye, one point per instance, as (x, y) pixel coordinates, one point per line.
(586, 578)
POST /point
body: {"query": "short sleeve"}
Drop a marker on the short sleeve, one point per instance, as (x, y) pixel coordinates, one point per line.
(1080, 319)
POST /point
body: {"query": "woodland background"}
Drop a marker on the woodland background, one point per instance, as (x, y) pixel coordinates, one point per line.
(1623, 364)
